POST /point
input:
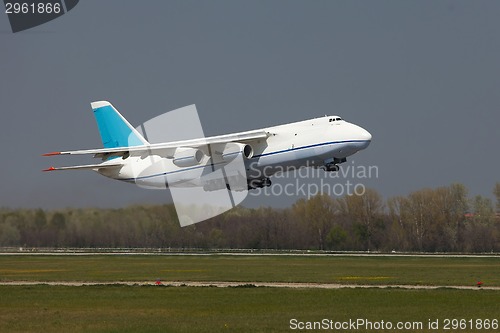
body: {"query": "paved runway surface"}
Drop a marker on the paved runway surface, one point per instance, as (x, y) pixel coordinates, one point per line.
(272, 254)
(224, 284)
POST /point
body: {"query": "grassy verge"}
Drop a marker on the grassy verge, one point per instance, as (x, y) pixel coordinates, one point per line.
(187, 309)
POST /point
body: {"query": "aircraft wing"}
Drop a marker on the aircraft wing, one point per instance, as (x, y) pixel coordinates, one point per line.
(167, 149)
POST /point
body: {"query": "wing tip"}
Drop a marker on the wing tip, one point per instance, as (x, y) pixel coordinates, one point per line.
(49, 169)
(52, 153)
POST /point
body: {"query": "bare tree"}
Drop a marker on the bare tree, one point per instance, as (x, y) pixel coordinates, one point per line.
(364, 212)
(496, 191)
(317, 215)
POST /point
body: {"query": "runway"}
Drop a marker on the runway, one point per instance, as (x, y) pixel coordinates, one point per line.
(248, 253)
(226, 284)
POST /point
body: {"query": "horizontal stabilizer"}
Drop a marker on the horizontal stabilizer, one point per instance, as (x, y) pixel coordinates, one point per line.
(52, 154)
(86, 167)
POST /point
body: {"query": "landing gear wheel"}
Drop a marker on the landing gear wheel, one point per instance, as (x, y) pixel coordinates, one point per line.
(253, 184)
(332, 167)
(259, 183)
(266, 182)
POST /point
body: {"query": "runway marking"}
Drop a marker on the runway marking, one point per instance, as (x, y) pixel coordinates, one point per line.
(226, 284)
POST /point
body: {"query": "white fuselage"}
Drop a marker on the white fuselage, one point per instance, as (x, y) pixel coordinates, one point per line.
(316, 142)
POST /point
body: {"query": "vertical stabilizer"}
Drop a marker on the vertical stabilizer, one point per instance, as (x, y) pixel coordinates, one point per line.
(114, 129)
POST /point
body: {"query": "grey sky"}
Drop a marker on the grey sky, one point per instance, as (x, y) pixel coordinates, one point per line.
(422, 76)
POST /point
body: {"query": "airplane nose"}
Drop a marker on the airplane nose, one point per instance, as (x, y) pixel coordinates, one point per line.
(364, 136)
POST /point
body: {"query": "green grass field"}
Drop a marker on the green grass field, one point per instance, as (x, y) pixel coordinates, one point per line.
(119, 308)
(191, 309)
(338, 269)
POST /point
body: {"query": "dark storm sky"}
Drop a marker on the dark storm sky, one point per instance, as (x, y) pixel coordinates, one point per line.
(422, 76)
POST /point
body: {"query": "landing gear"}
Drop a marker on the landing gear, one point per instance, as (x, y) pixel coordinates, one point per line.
(266, 182)
(331, 167)
(259, 183)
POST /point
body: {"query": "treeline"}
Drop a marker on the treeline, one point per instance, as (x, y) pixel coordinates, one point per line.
(431, 220)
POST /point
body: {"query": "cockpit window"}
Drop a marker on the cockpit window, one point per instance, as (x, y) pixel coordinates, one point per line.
(335, 119)
(338, 118)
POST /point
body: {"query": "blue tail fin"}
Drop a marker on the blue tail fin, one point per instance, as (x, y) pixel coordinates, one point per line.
(115, 130)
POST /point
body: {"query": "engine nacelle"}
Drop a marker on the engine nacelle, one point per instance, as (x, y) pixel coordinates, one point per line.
(187, 157)
(233, 149)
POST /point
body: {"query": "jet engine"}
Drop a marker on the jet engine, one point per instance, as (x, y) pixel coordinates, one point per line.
(187, 157)
(233, 149)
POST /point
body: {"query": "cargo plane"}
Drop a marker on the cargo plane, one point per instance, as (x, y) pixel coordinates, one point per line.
(323, 142)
